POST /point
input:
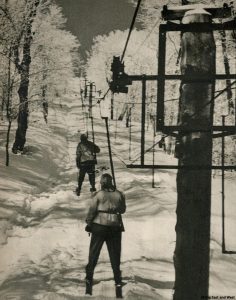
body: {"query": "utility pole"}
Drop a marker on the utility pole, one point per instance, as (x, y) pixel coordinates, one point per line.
(109, 150)
(9, 106)
(112, 105)
(143, 118)
(223, 186)
(85, 104)
(191, 257)
(153, 152)
(90, 99)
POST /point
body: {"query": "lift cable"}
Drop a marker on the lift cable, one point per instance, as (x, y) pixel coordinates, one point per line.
(215, 97)
(127, 40)
(227, 70)
(82, 106)
(150, 148)
(131, 28)
(109, 150)
(167, 135)
(148, 35)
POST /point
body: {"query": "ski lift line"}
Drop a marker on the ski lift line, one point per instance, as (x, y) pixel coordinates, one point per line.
(215, 97)
(179, 167)
(131, 28)
(176, 77)
(118, 156)
(150, 148)
(127, 41)
(225, 89)
(176, 99)
(148, 35)
(173, 43)
(154, 102)
(109, 149)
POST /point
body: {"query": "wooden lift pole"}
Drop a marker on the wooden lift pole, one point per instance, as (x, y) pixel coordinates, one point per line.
(90, 99)
(191, 257)
(109, 150)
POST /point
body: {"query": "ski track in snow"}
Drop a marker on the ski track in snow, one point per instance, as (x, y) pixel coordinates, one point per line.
(44, 247)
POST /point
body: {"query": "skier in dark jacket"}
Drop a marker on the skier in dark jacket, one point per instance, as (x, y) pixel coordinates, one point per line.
(85, 161)
(105, 223)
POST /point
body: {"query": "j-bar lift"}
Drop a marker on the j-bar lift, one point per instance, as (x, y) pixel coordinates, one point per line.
(121, 80)
(87, 96)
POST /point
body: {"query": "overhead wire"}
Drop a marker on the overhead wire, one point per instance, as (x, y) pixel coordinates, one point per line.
(127, 40)
(131, 28)
(146, 38)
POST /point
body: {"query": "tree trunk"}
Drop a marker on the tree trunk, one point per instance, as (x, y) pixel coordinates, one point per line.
(227, 72)
(191, 257)
(24, 68)
(22, 119)
(9, 107)
(7, 143)
(45, 103)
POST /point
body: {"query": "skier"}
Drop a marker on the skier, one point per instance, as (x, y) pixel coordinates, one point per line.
(105, 223)
(85, 161)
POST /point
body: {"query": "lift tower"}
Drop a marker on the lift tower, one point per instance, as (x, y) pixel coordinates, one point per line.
(195, 132)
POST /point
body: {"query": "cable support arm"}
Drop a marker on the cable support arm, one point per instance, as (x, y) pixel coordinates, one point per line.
(131, 28)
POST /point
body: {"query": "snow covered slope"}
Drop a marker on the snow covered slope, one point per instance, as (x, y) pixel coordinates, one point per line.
(44, 247)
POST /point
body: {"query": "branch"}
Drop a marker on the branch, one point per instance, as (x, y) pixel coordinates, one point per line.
(8, 16)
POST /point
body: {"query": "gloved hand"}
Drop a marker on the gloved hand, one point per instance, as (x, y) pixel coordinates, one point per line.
(88, 228)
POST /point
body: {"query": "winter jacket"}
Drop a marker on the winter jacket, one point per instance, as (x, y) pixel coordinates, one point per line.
(106, 208)
(86, 152)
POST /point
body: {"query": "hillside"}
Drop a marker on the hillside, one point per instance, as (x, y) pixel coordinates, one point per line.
(44, 247)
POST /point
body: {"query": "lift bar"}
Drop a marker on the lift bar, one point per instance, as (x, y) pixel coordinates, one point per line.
(178, 12)
(177, 167)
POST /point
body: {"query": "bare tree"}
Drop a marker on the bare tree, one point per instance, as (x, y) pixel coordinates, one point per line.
(24, 69)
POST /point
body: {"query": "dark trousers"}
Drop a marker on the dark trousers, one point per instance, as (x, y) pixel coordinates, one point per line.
(112, 237)
(90, 170)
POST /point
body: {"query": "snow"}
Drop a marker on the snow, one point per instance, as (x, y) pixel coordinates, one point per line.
(44, 247)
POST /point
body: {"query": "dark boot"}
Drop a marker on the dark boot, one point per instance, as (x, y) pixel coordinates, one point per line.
(89, 287)
(92, 181)
(78, 191)
(119, 291)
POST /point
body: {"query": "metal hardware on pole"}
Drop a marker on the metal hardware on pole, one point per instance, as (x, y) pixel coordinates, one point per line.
(109, 149)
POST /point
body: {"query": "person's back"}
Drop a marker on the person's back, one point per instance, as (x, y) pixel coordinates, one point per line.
(105, 222)
(85, 161)
(109, 204)
(86, 151)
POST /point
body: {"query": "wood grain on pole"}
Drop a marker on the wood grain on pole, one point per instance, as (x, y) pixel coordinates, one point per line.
(191, 257)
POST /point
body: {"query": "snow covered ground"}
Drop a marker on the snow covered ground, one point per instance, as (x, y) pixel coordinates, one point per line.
(43, 245)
